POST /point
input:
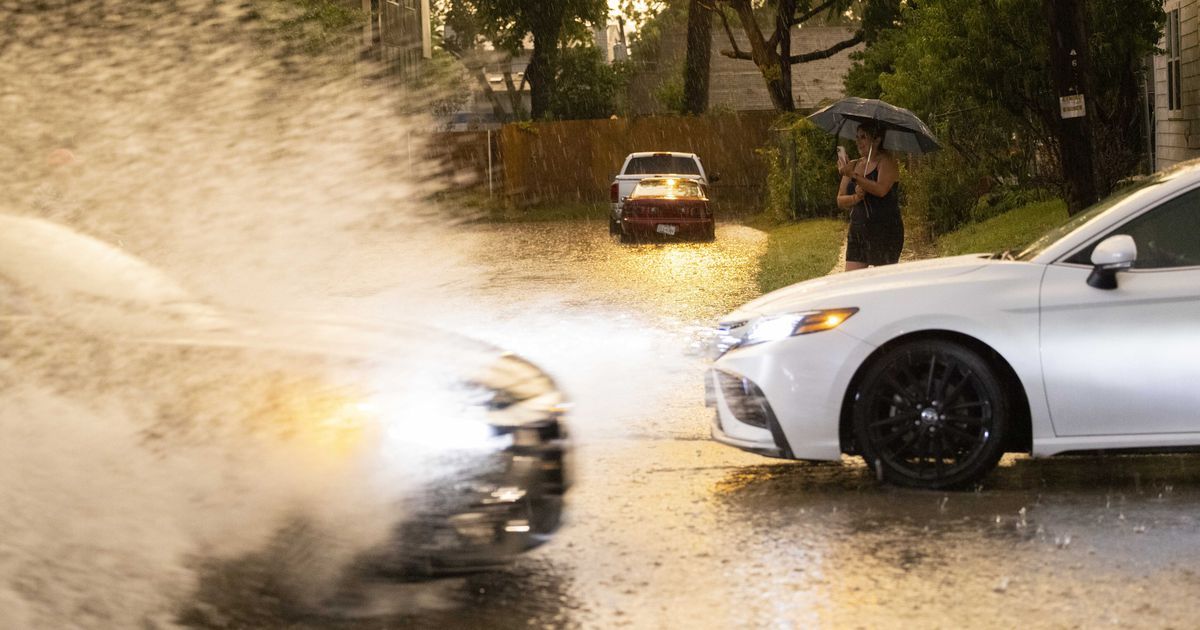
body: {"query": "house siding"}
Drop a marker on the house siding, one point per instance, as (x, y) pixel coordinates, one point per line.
(1177, 132)
(737, 84)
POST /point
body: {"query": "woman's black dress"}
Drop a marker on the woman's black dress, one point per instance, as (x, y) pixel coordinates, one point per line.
(876, 230)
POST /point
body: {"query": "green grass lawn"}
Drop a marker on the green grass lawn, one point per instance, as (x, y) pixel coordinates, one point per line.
(1012, 230)
(799, 251)
(809, 249)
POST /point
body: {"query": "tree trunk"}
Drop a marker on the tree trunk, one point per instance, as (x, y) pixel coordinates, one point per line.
(1069, 68)
(514, 97)
(486, 87)
(542, 62)
(766, 59)
(699, 54)
(783, 31)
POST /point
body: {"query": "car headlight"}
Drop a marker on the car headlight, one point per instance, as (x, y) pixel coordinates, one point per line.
(775, 327)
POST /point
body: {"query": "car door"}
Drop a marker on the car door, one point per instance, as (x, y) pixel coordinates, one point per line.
(1127, 360)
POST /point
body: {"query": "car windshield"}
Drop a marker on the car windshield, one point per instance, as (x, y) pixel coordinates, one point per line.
(1049, 238)
(662, 163)
(667, 189)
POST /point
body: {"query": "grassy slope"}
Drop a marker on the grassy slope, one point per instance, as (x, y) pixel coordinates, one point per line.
(799, 251)
(1011, 230)
(809, 249)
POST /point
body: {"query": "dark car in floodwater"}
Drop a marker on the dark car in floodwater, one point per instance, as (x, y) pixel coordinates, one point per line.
(464, 444)
(667, 207)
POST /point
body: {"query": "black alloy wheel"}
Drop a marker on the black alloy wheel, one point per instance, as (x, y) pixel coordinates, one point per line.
(931, 414)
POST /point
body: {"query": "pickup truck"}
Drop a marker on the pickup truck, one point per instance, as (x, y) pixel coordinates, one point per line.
(639, 166)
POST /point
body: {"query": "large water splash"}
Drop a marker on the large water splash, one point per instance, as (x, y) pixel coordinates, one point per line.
(184, 133)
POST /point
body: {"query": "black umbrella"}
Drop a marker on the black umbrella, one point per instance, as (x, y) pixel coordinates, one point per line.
(905, 132)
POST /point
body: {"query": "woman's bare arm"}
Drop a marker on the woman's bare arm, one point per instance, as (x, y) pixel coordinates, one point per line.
(845, 200)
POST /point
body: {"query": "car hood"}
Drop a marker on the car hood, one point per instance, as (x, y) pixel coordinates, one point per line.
(839, 290)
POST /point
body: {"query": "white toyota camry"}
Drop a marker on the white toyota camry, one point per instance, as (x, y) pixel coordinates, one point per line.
(1087, 340)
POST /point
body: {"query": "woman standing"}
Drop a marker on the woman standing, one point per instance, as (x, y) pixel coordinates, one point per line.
(869, 189)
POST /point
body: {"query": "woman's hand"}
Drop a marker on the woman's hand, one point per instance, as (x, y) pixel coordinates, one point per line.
(847, 169)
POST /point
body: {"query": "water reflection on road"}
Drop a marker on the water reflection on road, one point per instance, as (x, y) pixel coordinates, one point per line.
(668, 529)
(685, 281)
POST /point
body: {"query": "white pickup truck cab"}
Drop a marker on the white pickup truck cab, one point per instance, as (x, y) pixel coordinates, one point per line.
(639, 166)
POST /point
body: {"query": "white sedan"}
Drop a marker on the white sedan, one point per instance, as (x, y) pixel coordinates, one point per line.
(1088, 340)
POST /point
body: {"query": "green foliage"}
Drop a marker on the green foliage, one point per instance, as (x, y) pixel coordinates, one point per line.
(443, 86)
(507, 22)
(587, 86)
(802, 177)
(1002, 200)
(1012, 230)
(645, 43)
(311, 27)
(800, 251)
(943, 189)
(669, 93)
(979, 74)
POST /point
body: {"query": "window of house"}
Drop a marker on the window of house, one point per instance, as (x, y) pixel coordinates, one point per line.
(1174, 98)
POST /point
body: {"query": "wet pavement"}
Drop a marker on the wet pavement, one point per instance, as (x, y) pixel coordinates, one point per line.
(669, 529)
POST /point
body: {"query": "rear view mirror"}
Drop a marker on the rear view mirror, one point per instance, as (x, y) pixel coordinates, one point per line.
(714, 177)
(1113, 254)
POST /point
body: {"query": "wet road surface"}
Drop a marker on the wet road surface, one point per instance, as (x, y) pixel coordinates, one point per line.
(669, 529)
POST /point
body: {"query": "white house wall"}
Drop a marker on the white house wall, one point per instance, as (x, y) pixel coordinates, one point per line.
(1177, 132)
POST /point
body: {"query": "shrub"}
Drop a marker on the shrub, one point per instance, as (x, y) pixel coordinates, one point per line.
(802, 174)
(998, 202)
(942, 188)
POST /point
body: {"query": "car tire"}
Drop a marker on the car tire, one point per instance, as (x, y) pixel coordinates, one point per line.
(931, 414)
(710, 234)
(614, 228)
(626, 237)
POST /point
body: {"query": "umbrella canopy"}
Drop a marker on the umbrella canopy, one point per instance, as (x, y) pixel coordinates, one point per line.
(905, 132)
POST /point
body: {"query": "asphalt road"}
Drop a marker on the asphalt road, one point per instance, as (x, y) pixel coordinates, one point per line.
(668, 529)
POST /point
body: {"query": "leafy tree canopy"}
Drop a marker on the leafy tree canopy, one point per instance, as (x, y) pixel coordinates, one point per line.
(979, 72)
(587, 86)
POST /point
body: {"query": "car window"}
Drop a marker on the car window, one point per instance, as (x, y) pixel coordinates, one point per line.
(665, 163)
(667, 188)
(1167, 236)
(1055, 234)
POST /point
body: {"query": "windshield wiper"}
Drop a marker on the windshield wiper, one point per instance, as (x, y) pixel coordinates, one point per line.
(1004, 255)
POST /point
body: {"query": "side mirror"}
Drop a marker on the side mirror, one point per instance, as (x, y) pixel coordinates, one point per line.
(714, 178)
(1113, 254)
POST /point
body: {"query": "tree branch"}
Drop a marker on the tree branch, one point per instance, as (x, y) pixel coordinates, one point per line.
(824, 54)
(800, 19)
(736, 53)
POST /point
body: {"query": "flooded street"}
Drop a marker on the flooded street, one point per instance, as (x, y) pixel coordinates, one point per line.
(172, 169)
(669, 529)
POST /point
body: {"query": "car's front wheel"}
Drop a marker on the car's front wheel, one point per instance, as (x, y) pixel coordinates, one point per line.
(614, 228)
(931, 414)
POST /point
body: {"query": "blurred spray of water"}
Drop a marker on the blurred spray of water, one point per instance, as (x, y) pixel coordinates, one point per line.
(181, 132)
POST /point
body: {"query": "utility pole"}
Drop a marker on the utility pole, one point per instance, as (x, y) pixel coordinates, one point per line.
(1069, 69)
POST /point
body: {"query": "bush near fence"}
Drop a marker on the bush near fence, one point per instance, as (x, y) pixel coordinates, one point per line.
(576, 160)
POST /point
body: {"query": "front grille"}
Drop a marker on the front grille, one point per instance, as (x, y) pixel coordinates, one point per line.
(746, 401)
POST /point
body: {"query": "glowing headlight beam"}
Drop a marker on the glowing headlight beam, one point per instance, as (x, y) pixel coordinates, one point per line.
(776, 327)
